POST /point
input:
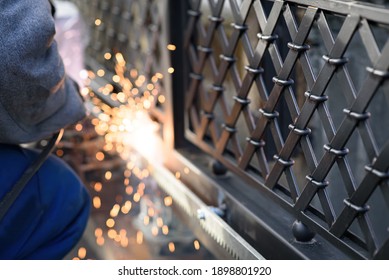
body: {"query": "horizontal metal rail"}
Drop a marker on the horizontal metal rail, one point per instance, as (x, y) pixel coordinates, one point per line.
(365, 10)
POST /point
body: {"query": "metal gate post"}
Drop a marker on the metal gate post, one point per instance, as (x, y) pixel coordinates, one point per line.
(174, 129)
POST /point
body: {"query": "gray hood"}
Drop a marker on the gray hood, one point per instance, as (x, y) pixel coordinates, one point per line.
(36, 97)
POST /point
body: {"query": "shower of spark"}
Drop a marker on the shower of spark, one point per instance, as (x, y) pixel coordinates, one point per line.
(127, 124)
(120, 116)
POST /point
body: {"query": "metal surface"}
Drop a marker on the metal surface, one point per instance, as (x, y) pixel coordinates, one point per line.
(137, 31)
(228, 76)
(204, 216)
(289, 96)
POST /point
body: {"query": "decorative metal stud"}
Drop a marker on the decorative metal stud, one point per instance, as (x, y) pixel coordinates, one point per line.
(339, 153)
(229, 128)
(256, 143)
(300, 132)
(216, 19)
(357, 116)
(283, 83)
(195, 76)
(229, 59)
(268, 115)
(209, 116)
(316, 98)
(377, 72)
(267, 38)
(356, 208)
(242, 101)
(379, 174)
(335, 61)
(218, 168)
(217, 88)
(204, 49)
(298, 48)
(254, 71)
(317, 184)
(286, 163)
(194, 13)
(301, 232)
(239, 27)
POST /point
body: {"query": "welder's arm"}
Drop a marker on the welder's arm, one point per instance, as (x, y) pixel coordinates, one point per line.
(36, 97)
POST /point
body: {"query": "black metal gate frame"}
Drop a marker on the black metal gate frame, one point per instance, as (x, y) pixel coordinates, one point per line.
(200, 126)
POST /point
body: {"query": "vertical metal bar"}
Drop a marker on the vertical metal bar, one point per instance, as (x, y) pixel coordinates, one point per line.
(174, 26)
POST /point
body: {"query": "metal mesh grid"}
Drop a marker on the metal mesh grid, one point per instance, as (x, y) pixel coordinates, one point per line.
(133, 29)
(284, 94)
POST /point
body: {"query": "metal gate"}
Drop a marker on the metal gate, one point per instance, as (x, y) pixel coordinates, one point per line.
(275, 113)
